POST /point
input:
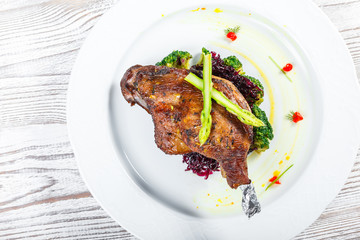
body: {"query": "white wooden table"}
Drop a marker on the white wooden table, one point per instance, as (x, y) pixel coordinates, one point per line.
(42, 195)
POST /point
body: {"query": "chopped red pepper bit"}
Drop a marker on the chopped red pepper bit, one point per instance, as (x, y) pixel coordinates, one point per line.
(288, 67)
(273, 179)
(231, 32)
(297, 117)
(294, 116)
(232, 36)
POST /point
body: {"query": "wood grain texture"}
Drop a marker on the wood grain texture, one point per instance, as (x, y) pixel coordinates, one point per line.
(42, 195)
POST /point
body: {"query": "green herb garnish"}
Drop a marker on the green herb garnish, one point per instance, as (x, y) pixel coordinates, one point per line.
(272, 183)
(278, 66)
(233, 29)
(290, 115)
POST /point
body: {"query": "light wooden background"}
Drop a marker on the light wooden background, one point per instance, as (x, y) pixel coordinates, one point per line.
(41, 193)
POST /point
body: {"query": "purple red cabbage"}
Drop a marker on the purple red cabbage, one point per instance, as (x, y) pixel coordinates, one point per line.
(200, 165)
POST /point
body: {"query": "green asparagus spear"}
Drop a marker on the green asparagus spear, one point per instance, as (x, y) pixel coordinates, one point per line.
(242, 114)
(206, 119)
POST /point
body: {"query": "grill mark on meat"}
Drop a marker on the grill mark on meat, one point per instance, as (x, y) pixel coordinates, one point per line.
(175, 107)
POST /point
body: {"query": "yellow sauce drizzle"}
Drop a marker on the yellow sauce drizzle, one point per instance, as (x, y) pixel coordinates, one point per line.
(276, 173)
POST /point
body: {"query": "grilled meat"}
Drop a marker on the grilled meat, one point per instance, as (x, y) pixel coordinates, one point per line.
(175, 107)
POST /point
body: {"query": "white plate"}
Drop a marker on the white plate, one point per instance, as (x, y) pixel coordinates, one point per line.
(148, 192)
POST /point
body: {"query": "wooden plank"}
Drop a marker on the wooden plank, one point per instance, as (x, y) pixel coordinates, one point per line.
(344, 14)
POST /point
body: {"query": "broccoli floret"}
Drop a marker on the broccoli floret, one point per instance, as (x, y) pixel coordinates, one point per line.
(259, 85)
(234, 62)
(176, 59)
(262, 135)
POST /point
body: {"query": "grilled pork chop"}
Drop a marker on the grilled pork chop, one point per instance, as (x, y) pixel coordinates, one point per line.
(175, 106)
